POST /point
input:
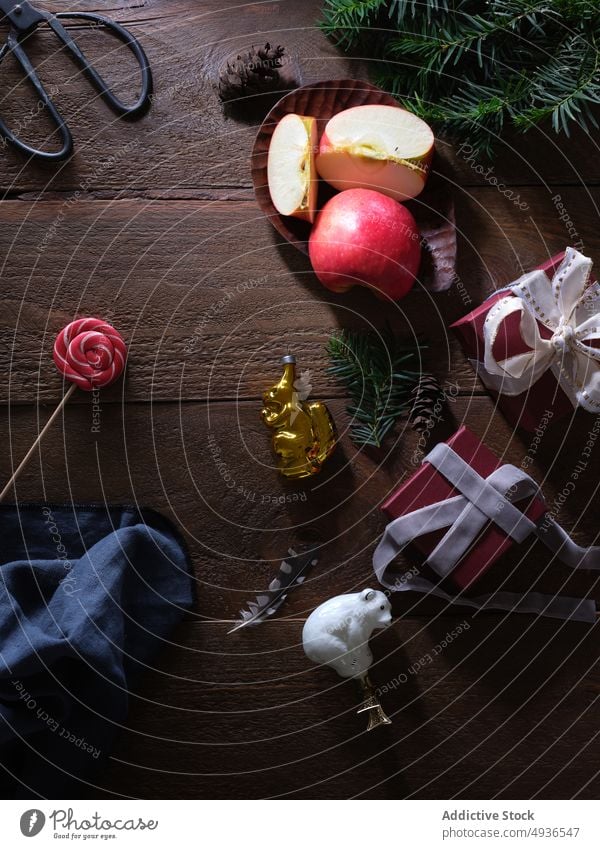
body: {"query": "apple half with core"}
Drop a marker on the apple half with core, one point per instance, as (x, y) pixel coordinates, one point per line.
(364, 238)
(291, 170)
(385, 148)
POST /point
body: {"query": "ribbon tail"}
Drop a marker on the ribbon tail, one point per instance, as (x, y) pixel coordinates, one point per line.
(553, 607)
(501, 384)
(586, 378)
(568, 552)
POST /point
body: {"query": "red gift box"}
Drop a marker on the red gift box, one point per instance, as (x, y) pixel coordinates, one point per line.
(428, 486)
(530, 408)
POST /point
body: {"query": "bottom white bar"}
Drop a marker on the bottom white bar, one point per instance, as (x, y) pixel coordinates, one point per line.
(300, 824)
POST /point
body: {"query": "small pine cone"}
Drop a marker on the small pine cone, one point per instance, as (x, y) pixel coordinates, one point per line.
(427, 404)
(257, 71)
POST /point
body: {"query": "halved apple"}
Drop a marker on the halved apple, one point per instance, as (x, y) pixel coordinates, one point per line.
(291, 169)
(384, 148)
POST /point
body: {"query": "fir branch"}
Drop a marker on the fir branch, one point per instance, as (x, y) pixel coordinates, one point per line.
(379, 372)
(567, 88)
(343, 20)
(472, 67)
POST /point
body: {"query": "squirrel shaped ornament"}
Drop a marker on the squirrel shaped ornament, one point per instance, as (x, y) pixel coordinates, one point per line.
(304, 431)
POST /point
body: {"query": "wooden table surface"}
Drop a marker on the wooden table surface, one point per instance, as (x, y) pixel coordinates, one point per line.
(154, 225)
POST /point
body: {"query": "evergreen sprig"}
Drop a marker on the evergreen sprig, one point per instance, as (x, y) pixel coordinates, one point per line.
(473, 67)
(379, 371)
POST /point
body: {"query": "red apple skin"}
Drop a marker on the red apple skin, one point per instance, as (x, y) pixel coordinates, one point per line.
(364, 238)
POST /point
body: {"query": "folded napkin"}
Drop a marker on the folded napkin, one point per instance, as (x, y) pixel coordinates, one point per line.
(88, 595)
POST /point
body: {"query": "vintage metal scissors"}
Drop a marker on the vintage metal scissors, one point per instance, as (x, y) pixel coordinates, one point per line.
(23, 19)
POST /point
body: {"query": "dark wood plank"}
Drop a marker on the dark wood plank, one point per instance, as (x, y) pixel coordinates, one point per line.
(186, 142)
(186, 45)
(209, 300)
(506, 710)
(153, 225)
(239, 516)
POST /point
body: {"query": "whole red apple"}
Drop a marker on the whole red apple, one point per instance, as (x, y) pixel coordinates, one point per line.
(364, 238)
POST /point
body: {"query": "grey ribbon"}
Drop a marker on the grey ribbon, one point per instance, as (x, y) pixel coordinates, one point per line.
(482, 500)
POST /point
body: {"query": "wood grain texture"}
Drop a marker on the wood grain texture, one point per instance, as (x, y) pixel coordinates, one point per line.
(185, 142)
(209, 299)
(153, 225)
(504, 710)
(210, 468)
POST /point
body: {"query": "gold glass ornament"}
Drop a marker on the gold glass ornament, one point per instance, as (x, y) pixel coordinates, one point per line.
(305, 432)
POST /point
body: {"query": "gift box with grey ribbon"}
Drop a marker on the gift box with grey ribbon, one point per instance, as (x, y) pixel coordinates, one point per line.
(462, 509)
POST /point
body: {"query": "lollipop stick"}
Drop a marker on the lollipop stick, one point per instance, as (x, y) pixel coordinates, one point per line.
(31, 451)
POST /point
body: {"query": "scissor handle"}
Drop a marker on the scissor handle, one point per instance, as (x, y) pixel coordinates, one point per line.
(117, 105)
(13, 46)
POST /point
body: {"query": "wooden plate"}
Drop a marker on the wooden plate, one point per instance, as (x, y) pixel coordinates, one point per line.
(321, 100)
(433, 208)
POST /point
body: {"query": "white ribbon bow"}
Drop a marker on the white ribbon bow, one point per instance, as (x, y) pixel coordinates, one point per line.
(567, 306)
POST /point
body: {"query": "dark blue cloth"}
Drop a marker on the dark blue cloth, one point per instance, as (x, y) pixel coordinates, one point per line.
(87, 597)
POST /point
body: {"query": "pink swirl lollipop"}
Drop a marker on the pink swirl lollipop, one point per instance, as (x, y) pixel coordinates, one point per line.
(90, 353)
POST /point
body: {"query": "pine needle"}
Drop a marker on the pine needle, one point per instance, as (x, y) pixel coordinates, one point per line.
(475, 67)
(379, 372)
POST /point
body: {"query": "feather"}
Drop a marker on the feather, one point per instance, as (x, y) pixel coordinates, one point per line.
(302, 390)
(290, 575)
(302, 385)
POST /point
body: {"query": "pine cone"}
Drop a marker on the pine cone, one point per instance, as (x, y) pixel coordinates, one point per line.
(257, 71)
(427, 404)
